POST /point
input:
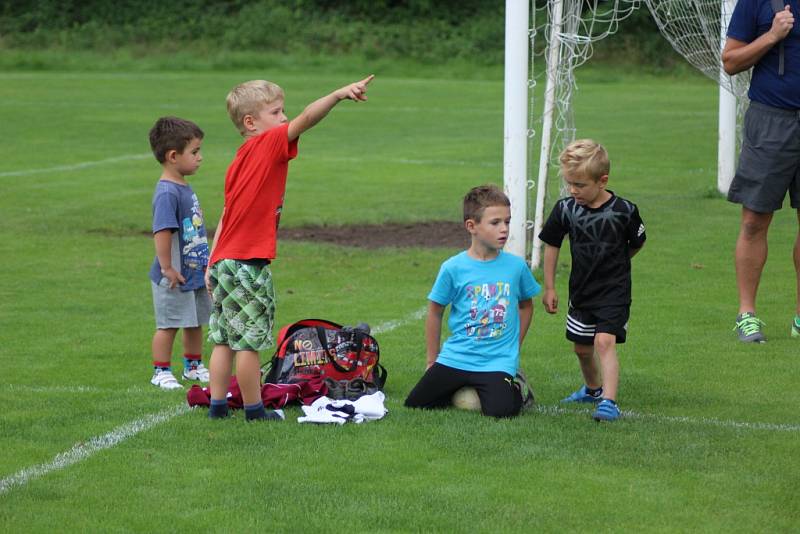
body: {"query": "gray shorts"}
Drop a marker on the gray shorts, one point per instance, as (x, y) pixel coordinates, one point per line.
(180, 309)
(769, 164)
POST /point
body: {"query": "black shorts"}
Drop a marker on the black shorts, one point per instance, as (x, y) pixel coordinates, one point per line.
(769, 162)
(582, 325)
(499, 395)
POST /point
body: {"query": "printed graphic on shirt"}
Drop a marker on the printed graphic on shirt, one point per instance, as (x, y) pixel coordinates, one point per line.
(487, 311)
(195, 243)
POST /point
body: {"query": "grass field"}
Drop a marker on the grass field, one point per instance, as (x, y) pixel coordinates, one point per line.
(710, 438)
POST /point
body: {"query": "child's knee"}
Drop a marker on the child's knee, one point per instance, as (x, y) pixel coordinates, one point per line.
(604, 342)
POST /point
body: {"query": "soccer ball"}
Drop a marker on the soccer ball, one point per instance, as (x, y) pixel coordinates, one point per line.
(467, 398)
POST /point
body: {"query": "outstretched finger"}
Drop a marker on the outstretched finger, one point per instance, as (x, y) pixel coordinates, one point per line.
(367, 79)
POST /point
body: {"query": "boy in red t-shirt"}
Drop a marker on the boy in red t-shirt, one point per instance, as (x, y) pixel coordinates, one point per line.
(239, 278)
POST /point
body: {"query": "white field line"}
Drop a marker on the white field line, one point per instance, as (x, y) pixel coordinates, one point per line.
(81, 451)
(75, 389)
(131, 157)
(388, 326)
(408, 161)
(75, 166)
(701, 421)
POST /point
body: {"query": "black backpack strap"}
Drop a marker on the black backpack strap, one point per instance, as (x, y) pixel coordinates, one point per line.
(379, 375)
(777, 7)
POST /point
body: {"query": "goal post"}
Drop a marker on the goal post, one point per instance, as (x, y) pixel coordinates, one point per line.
(726, 147)
(515, 124)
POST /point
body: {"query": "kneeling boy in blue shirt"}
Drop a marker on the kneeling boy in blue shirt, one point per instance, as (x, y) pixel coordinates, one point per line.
(489, 293)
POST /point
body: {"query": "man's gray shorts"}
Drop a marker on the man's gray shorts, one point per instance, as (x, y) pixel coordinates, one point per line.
(769, 164)
(180, 309)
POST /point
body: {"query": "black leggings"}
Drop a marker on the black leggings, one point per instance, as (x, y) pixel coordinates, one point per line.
(499, 395)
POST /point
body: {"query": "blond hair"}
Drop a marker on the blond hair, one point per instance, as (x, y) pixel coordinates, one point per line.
(249, 98)
(584, 158)
(479, 198)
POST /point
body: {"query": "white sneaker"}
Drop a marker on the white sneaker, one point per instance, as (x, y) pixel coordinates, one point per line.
(198, 372)
(165, 380)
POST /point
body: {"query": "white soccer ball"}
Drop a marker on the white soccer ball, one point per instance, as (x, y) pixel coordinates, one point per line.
(467, 398)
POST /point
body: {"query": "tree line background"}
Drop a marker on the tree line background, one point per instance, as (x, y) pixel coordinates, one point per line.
(425, 31)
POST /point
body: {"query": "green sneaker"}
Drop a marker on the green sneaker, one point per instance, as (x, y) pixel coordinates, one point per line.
(748, 327)
(796, 326)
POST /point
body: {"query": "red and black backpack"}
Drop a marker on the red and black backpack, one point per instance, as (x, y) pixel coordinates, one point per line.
(318, 349)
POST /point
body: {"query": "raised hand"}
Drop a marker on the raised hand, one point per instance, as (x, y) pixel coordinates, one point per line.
(355, 91)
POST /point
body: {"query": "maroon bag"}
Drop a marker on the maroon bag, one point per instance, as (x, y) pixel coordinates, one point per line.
(315, 348)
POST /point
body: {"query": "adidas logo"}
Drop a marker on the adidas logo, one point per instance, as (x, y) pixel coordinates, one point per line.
(641, 231)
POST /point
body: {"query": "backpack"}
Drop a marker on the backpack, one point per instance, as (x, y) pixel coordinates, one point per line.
(318, 349)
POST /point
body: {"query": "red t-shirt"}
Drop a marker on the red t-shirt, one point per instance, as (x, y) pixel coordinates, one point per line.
(254, 189)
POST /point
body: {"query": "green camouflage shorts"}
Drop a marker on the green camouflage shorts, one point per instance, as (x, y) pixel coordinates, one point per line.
(244, 305)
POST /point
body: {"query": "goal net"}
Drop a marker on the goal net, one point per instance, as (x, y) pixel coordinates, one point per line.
(560, 38)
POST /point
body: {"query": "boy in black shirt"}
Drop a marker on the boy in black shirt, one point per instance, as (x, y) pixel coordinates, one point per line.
(605, 232)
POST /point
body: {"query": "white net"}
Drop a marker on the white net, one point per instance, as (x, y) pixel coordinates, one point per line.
(562, 36)
(694, 29)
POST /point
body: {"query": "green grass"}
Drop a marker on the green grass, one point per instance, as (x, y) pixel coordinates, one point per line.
(711, 439)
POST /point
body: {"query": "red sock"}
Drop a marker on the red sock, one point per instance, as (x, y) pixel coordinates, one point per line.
(162, 365)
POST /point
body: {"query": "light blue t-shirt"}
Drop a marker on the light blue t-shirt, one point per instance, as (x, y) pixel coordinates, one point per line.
(484, 310)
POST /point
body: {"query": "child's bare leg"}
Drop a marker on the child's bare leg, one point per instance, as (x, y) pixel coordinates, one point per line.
(193, 340)
(248, 373)
(220, 370)
(163, 340)
(606, 347)
(589, 366)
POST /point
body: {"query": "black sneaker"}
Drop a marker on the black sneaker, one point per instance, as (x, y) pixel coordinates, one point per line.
(525, 389)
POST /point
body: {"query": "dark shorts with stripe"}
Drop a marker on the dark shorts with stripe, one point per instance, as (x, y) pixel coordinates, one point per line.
(769, 163)
(243, 312)
(582, 325)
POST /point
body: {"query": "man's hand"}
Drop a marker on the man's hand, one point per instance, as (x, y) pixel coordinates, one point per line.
(782, 24)
(355, 91)
(173, 276)
(550, 301)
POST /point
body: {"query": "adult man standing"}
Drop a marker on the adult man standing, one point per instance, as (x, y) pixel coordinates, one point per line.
(762, 34)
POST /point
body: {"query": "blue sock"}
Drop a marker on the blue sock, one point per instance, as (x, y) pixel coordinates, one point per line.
(218, 409)
(254, 411)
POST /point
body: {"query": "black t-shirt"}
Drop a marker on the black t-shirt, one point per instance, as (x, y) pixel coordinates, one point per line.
(600, 242)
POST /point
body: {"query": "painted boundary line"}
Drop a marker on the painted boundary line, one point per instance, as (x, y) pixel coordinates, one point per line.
(132, 390)
(701, 421)
(388, 326)
(130, 157)
(82, 451)
(76, 166)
